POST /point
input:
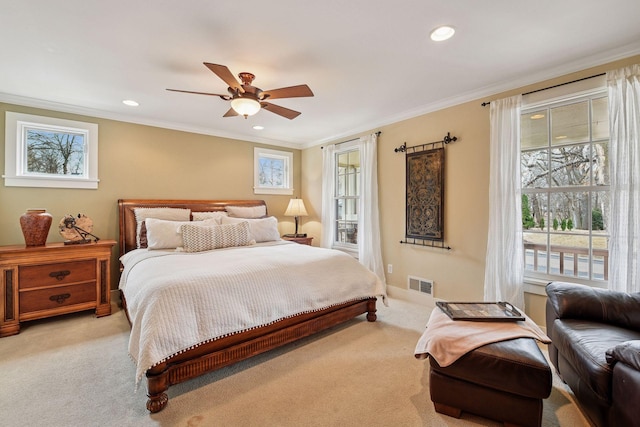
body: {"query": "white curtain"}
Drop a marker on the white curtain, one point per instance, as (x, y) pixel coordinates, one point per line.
(624, 128)
(369, 246)
(504, 266)
(328, 190)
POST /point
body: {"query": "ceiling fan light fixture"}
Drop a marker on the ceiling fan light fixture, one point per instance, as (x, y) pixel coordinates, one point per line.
(444, 32)
(245, 106)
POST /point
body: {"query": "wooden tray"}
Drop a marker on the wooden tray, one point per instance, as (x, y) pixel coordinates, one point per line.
(481, 311)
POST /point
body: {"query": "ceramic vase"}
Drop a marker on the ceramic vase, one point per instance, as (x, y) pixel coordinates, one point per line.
(35, 225)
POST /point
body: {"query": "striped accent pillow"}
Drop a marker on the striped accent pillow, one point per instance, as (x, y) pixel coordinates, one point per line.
(198, 238)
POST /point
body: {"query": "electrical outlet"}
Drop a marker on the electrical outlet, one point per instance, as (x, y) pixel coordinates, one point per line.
(390, 268)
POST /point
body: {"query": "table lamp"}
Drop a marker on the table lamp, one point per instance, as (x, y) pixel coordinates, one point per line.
(296, 209)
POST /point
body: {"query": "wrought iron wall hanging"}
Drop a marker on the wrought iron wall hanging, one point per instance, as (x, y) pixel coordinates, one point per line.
(424, 224)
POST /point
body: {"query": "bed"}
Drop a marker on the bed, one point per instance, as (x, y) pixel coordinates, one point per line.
(165, 356)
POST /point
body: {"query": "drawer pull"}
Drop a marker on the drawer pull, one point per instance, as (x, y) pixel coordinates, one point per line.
(60, 275)
(59, 298)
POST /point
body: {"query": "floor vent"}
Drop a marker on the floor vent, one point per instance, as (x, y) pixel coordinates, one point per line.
(421, 285)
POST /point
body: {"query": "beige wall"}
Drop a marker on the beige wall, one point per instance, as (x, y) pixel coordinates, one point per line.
(458, 274)
(138, 161)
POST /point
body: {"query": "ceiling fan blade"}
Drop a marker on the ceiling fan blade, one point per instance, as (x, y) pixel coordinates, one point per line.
(199, 93)
(284, 112)
(224, 73)
(230, 113)
(288, 92)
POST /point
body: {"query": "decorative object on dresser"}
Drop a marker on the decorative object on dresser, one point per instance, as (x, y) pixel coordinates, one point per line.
(296, 209)
(299, 240)
(75, 229)
(35, 224)
(160, 353)
(53, 279)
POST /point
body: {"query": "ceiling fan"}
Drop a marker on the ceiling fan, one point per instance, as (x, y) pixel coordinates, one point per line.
(247, 100)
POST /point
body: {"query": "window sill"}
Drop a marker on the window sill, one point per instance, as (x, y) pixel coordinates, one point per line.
(535, 286)
(50, 182)
(281, 191)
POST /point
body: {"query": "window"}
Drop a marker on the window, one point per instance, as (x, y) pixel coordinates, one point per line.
(273, 171)
(347, 197)
(49, 152)
(565, 189)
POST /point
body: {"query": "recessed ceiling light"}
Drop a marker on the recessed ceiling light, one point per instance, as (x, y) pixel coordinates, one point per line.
(130, 103)
(258, 127)
(442, 33)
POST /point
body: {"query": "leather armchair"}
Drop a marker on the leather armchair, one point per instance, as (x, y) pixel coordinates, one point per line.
(595, 349)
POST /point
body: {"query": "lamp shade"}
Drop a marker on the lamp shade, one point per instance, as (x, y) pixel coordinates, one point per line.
(245, 106)
(296, 208)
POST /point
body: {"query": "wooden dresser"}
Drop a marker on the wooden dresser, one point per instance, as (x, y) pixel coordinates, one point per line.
(45, 281)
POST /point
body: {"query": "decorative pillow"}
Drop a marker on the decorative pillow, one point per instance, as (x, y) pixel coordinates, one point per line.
(201, 216)
(198, 238)
(262, 230)
(174, 214)
(163, 234)
(247, 211)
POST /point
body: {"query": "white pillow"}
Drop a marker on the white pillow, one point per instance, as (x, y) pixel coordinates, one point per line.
(198, 238)
(262, 230)
(201, 216)
(141, 214)
(247, 211)
(163, 234)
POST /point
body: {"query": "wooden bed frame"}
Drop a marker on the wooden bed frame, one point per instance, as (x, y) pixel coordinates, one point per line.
(228, 350)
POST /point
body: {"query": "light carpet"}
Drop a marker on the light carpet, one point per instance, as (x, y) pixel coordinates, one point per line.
(74, 371)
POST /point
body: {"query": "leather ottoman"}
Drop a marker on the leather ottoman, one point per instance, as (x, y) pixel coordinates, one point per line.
(505, 381)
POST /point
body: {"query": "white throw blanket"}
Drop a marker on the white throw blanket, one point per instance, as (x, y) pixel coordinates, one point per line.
(177, 301)
(447, 340)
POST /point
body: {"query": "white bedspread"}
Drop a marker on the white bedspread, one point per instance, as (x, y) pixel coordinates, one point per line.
(177, 301)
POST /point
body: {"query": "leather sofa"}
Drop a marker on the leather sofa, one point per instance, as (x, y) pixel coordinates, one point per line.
(595, 349)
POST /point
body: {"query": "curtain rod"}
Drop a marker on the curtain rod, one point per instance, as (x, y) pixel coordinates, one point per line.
(484, 104)
(350, 140)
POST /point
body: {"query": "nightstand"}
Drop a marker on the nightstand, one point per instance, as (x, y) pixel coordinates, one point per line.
(45, 281)
(300, 240)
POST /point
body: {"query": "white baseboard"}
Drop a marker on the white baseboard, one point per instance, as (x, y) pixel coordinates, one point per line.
(411, 296)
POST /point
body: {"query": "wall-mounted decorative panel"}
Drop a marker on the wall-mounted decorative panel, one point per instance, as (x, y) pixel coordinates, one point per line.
(425, 195)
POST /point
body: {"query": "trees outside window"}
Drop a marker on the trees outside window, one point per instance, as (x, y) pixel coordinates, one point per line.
(58, 153)
(565, 183)
(273, 171)
(45, 151)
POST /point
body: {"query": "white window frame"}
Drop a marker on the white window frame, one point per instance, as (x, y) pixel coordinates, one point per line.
(351, 248)
(537, 280)
(16, 174)
(287, 184)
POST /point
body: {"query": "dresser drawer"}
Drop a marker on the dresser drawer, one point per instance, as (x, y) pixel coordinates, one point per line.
(59, 273)
(60, 296)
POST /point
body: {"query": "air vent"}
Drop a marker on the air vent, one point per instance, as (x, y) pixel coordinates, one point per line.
(421, 285)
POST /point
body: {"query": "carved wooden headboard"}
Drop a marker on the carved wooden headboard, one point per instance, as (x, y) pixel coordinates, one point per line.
(127, 215)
